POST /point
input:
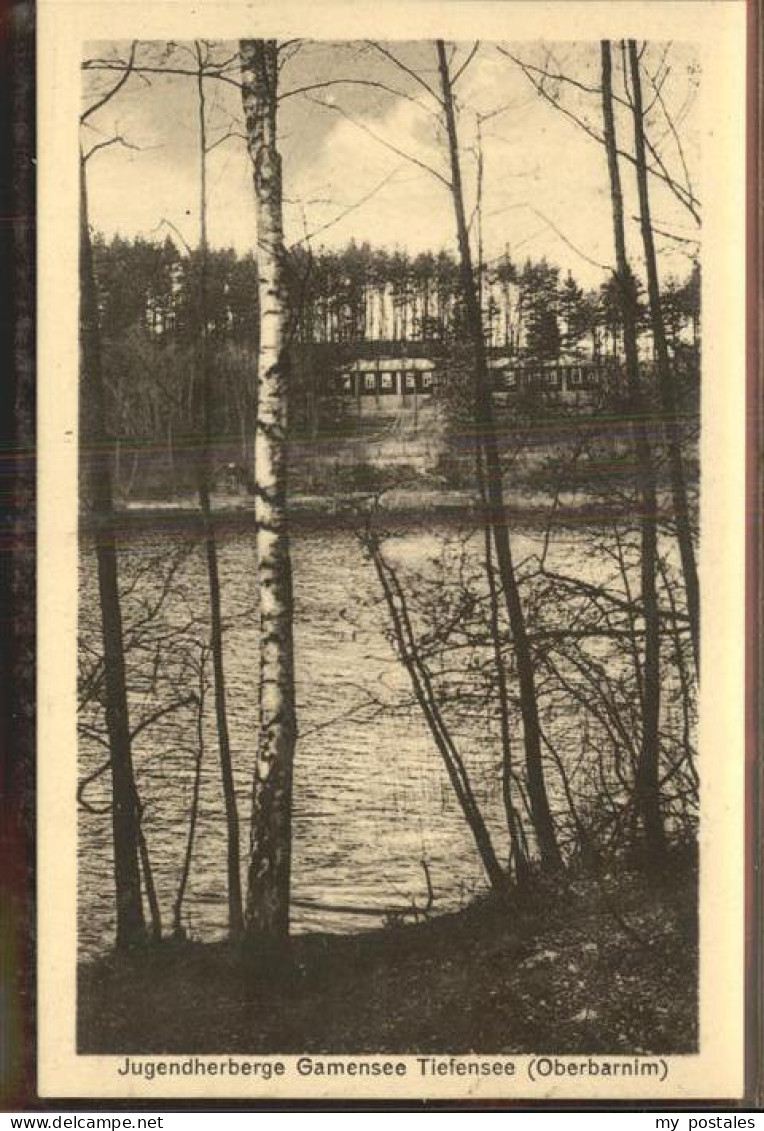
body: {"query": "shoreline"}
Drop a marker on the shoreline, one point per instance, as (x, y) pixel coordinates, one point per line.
(585, 966)
(342, 511)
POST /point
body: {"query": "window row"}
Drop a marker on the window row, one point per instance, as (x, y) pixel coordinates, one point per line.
(553, 377)
(371, 383)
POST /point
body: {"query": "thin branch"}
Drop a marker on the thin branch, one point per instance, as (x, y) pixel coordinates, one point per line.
(671, 235)
(372, 83)
(225, 137)
(661, 173)
(514, 105)
(176, 230)
(406, 69)
(567, 242)
(283, 46)
(657, 80)
(129, 67)
(684, 196)
(345, 212)
(625, 76)
(382, 141)
(455, 78)
(87, 781)
(212, 72)
(554, 76)
(675, 133)
(160, 713)
(118, 140)
(223, 64)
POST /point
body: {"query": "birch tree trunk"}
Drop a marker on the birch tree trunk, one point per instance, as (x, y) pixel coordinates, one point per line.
(495, 510)
(267, 915)
(669, 400)
(646, 789)
(125, 813)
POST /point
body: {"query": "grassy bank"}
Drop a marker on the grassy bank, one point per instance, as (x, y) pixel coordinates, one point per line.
(586, 966)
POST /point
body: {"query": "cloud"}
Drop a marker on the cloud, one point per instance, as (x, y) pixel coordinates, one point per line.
(410, 210)
(545, 185)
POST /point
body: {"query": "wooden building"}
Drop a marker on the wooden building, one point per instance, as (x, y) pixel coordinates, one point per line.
(575, 382)
(383, 386)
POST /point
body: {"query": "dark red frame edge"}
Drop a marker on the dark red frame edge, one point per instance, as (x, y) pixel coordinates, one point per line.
(17, 778)
(17, 546)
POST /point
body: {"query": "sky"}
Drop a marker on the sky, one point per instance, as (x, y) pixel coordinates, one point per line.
(545, 190)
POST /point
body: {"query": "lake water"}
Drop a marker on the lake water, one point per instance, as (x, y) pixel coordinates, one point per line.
(371, 796)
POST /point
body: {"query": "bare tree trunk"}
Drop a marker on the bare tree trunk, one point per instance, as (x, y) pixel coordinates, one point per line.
(518, 858)
(125, 810)
(177, 917)
(669, 399)
(646, 789)
(271, 834)
(117, 466)
(421, 682)
(133, 473)
(517, 855)
(495, 511)
(155, 914)
(171, 455)
(235, 910)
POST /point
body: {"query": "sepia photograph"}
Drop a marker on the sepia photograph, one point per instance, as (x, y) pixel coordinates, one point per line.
(391, 410)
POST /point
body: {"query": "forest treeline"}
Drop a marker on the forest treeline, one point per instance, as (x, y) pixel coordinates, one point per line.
(336, 299)
(361, 294)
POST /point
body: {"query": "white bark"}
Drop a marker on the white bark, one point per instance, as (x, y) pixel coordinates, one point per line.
(270, 845)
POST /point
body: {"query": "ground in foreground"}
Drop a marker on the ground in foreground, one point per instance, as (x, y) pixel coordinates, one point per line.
(591, 965)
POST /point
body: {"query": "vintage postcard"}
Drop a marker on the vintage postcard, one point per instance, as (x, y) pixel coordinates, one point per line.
(392, 517)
